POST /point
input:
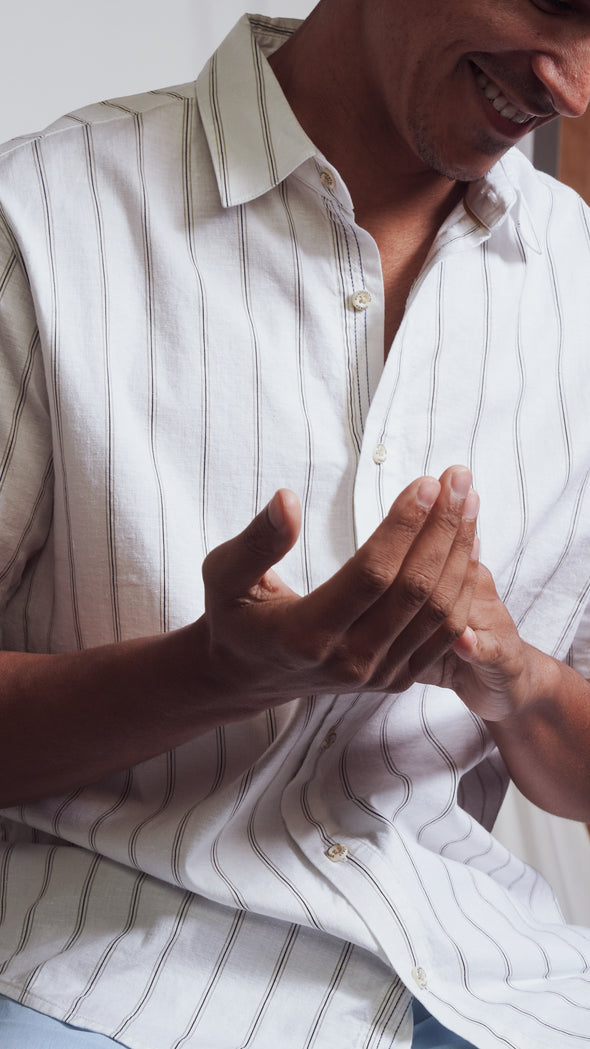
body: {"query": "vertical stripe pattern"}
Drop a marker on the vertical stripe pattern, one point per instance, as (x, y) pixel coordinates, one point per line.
(177, 341)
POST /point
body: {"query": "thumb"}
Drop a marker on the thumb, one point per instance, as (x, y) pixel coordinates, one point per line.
(232, 568)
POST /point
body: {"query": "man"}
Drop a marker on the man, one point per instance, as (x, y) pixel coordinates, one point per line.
(240, 815)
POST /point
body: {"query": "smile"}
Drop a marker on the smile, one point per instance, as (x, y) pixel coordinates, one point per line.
(499, 102)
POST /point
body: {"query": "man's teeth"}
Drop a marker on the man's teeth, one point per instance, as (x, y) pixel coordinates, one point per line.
(499, 102)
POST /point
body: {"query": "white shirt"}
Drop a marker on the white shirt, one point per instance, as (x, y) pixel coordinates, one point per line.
(179, 338)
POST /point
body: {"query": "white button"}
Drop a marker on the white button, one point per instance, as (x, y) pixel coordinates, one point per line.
(379, 454)
(327, 179)
(337, 853)
(360, 300)
(419, 977)
(329, 740)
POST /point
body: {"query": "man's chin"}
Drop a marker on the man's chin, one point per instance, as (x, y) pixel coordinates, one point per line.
(470, 167)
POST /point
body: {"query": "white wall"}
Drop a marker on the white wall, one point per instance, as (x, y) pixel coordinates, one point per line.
(58, 55)
(559, 848)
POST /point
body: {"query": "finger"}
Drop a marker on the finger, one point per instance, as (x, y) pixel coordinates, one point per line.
(448, 605)
(451, 629)
(234, 567)
(418, 576)
(479, 643)
(440, 619)
(335, 605)
(467, 646)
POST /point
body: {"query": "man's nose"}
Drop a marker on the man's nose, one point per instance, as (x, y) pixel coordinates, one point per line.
(566, 77)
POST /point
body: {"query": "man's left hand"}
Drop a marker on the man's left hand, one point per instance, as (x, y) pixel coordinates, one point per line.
(536, 708)
(488, 667)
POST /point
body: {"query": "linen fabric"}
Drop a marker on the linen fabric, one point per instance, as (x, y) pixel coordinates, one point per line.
(179, 338)
(24, 1028)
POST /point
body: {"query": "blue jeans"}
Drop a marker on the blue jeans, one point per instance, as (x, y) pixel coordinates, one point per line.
(22, 1028)
(429, 1034)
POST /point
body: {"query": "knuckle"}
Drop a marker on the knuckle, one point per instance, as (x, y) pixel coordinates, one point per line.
(382, 679)
(352, 669)
(451, 632)
(359, 675)
(415, 590)
(442, 615)
(312, 649)
(374, 577)
(439, 609)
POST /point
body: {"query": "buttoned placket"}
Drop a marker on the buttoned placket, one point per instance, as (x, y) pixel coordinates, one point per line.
(339, 856)
(345, 861)
(380, 473)
(363, 306)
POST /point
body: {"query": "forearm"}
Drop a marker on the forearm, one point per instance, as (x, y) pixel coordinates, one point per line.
(72, 718)
(546, 741)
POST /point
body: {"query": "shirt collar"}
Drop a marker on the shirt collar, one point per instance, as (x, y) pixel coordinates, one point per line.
(254, 138)
(499, 195)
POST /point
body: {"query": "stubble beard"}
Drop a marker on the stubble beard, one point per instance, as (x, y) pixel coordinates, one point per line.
(440, 160)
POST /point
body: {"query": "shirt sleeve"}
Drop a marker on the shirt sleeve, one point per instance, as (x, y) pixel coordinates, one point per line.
(26, 463)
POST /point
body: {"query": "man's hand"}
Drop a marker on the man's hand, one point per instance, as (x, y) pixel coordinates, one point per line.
(413, 604)
(489, 666)
(397, 606)
(536, 708)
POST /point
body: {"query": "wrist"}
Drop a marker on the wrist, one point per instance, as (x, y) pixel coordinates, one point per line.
(534, 686)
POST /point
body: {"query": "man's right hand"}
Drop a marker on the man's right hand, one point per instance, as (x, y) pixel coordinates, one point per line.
(394, 608)
(390, 612)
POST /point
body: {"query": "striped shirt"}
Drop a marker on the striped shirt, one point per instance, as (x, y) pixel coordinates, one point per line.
(179, 338)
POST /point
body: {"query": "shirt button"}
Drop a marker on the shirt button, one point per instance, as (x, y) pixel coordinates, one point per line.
(360, 300)
(337, 853)
(379, 454)
(327, 179)
(419, 977)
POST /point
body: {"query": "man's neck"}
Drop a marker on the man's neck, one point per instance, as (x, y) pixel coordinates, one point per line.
(320, 72)
(397, 198)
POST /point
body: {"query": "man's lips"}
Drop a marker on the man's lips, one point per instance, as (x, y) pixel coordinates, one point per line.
(499, 101)
(536, 111)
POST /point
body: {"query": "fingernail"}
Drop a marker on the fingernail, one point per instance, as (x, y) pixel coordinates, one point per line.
(461, 483)
(476, 549)
(471, 506)
(427, 493)
(471, 636)
(276, 514)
